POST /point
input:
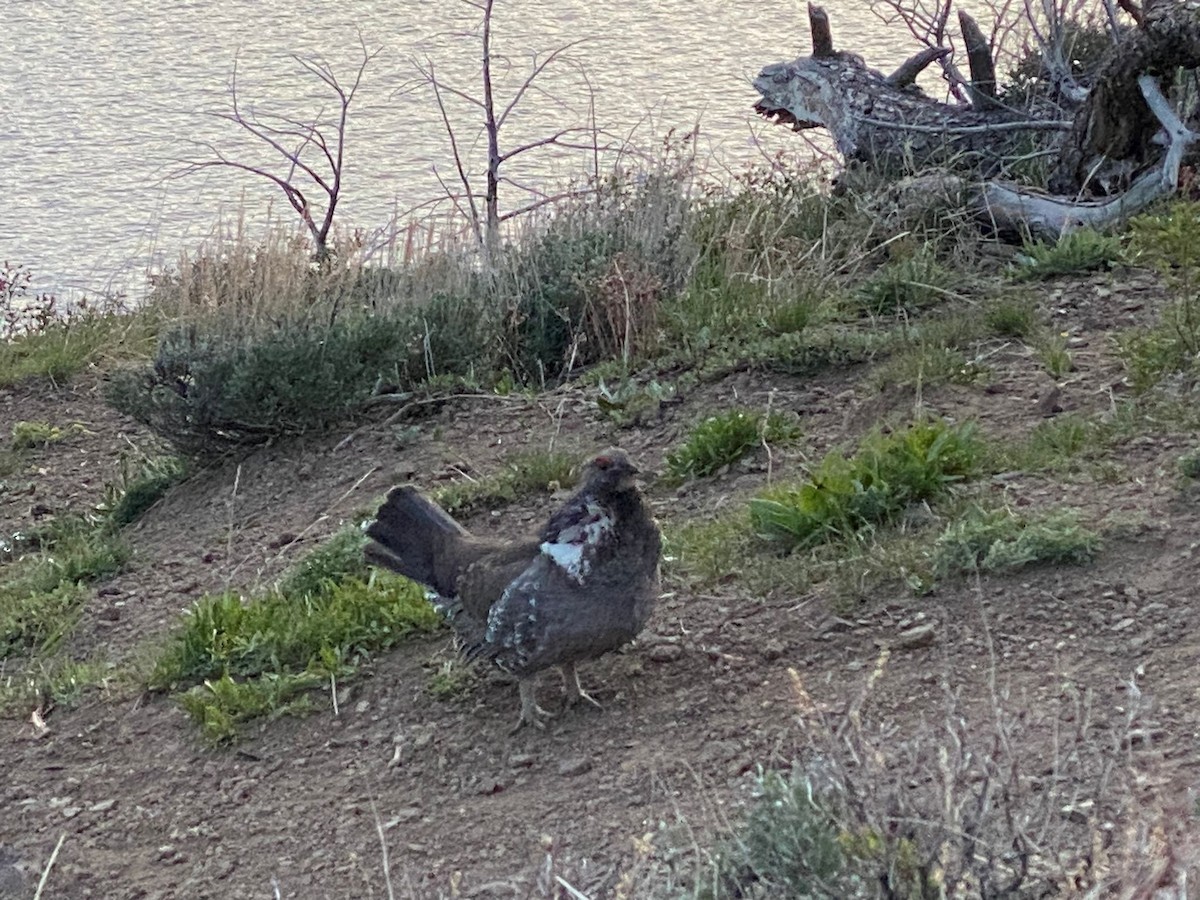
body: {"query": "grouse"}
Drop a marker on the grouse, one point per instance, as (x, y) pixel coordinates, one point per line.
(585, 585)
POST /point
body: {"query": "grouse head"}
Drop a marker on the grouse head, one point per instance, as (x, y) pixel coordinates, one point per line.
(611, 472)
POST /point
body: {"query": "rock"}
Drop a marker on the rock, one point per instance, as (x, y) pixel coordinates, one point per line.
(576, 765)
(772, 650)
(281, 540)
(1080, 812)
(665, 653)
(1049, 404)
(402, 816)
(916, 637)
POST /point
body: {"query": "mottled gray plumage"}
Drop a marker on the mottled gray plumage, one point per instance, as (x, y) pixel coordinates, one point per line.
(584, 586)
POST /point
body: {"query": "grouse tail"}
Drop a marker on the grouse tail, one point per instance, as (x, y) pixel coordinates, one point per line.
(415, 537)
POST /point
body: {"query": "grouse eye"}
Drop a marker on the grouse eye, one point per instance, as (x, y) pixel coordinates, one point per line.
(603, 462)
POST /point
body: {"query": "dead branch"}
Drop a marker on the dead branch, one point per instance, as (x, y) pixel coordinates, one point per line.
(891, 128)
(293, 141)
(482, 208)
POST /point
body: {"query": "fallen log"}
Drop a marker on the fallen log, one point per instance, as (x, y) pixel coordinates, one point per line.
(890, 127)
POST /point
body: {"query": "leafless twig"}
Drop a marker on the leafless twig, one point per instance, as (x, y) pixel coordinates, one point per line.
(311, 151)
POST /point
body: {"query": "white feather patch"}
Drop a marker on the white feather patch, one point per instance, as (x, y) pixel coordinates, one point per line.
(570, 547)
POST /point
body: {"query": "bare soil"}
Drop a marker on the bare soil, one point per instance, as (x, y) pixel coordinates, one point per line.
(147, 810)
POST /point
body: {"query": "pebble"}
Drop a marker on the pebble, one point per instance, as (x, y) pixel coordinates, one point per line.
(916, 637)
(772, 650)
(664, 653)
(576, 765)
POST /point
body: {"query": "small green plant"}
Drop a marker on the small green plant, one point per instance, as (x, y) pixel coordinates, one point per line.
(923, 365)
(453, 680)
(1169, 240)
(26, 435)
(844, 496)
(630, 403)
(1012, 317)
(222, 706)
(1083, 250)
(708, 551)
(1189, 464)
(1171, 347)
(1055, 356)
(141, 486)
(906, 285)
(337, 560)
(58, 682)
(524, 474)
(723, 439)
(792, 316)
(789, 844)
(1055, 444)
(991, 540)
(43, 589)
(243, 658)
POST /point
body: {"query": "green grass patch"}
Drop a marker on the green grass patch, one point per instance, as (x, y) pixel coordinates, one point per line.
(452, 680)
(63, 349)
(726, 437)
(523, 474)
(788, 845)
(140, 486)
(1083, 250)
(906, 285)
(1055, 357)
(1056, 444)
(709, 551)
(844, 496)
(243, 658)
(993, 540)
(44, 580)
(1012, 317)
(59, 682)
(1172, 347)
(27, 435)
(924, 366)
(1189, 465)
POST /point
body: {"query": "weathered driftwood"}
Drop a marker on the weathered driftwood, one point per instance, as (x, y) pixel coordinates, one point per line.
(886, 122)
(892, 128)
(1116, 122)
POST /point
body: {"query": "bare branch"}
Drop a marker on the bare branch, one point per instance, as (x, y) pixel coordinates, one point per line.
(458, 162)
(542, 142)
(822, 37)
(908, 71)
(537, 70)
(979, 58)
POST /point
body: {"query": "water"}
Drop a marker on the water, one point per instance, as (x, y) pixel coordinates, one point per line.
(101, 103)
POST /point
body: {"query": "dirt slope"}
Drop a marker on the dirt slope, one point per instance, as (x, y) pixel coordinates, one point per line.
(296, 810)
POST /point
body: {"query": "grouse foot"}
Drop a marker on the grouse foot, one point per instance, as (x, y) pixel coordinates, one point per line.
(575, 693)
(531, 713)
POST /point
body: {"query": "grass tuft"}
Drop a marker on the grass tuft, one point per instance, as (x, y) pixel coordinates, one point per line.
(525, 473)
(905, 285)
(44, 589)
(140, 487)
(843, 496)
(995, 540)
(1012, 317)
(1083, 250)
(26, 435)
(244, 658)
(723, 439)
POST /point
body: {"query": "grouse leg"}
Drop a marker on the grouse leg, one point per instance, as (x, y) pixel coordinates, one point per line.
(575, 693)
(531, 713)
